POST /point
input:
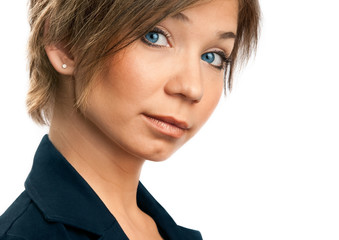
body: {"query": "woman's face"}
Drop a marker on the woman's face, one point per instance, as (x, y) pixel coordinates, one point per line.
(157, 92)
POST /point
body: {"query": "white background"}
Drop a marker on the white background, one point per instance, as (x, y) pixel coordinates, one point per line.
(266, 165)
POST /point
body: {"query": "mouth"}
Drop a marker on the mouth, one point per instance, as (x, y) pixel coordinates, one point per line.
(167, 125)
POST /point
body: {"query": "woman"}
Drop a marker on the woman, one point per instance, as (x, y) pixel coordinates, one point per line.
(120, 82)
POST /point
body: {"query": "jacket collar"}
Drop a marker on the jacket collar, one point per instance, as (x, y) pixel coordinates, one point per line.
(64, 196)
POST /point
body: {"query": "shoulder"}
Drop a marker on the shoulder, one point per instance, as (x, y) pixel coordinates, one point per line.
(190, 234)
(24, 221)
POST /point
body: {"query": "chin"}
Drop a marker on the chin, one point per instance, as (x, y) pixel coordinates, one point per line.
(154, 153)
(157, 156)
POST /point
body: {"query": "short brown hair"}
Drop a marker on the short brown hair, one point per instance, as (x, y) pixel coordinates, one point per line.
(92, 30)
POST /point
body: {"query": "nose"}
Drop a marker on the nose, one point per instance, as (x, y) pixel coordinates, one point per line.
(186, 81)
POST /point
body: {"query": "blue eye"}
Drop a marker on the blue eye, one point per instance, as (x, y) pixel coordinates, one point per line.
(153, 37)
(156, 38)
(208, 57)
(216, 59)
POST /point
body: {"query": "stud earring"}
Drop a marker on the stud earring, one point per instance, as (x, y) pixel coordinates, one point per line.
(64, 66)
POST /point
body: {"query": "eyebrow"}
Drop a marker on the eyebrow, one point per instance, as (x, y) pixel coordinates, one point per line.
(181, 17)
(222, 35)
(226, 35)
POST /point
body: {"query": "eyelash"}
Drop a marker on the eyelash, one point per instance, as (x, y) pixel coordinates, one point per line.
(225, 60)
(156, 30)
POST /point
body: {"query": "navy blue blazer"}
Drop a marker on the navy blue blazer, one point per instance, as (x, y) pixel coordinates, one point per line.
(59, 204)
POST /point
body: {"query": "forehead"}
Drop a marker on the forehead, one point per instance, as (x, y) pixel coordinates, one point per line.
(221, 14)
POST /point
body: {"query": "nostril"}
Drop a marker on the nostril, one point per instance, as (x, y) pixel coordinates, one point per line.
(186, 83)
(193, 96)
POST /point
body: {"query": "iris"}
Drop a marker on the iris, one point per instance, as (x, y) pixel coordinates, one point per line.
(208, 57)
(153, 37)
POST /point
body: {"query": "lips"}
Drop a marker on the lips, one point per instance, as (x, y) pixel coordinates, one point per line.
(171, 120)
(167, 125)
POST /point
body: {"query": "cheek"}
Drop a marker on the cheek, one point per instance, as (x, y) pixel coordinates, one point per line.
(212, 94)
(133, 78)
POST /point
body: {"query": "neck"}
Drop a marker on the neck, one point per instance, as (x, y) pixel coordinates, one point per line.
(112, 172)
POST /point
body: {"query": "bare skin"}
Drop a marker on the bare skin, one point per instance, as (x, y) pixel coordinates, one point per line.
(108, 142)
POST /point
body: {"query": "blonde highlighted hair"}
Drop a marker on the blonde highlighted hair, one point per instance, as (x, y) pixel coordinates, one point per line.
(93, 30)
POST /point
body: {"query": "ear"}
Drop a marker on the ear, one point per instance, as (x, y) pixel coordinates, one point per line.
(62, 62)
